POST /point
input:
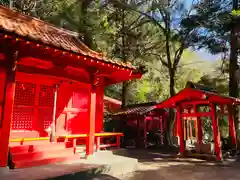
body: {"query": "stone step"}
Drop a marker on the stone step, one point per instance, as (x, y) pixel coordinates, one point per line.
(113, 164)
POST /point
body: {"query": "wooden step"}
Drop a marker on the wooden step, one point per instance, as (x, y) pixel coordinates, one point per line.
(41, 154)
(45, 161)
(35, 147)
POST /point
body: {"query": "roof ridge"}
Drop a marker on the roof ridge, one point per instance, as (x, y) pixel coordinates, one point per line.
(10, 13)
(6, 11)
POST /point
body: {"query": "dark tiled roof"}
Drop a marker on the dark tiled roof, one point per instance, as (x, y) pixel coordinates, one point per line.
(136, 109)
(192, 85)
(35, 29)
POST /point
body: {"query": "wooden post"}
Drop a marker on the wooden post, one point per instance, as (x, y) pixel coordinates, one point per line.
(232, 130)
(161, 129)
(118, 141)
(53, 129)
(199, 127)
(92, 114)
(218, 151)
(190, 129)
(145, 132)
(138, 129)
(98, 142)
(180, 130)
(8, 101)
(184, 128)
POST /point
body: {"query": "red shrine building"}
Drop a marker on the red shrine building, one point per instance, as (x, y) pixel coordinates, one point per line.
(51, 91)
(194, 103)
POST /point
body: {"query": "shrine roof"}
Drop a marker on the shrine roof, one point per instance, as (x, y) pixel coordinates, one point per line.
(48, 34)
(197, 93)
(136, 109)
(111, 100)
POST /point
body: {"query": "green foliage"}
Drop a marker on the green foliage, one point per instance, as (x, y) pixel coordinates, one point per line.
(162, 38)
(213, 22)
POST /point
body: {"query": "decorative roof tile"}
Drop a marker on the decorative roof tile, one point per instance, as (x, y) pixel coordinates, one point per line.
(136, 109)
(35, 29)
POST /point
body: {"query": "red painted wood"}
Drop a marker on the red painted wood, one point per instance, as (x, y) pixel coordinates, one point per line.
(180, 130)
(199, 126)
(145, 131)
(40, 153)
(118, 142)
(99, 106)
(108, 145)
(199, 114)
(216, 132)
(232, 130)
(98, 143)
(92, 116)
(6, 117)
(190, 130)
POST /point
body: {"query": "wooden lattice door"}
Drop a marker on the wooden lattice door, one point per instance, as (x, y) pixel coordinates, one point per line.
(33, 109)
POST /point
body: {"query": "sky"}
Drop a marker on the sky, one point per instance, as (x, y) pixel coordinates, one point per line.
(208, 56)
(203, 52)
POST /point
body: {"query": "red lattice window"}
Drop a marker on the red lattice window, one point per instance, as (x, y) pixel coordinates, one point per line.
(25, 94)
(46, 96)
(22, 118)
(45, 115)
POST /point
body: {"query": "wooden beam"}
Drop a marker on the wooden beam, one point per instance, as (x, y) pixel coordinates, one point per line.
(53, 72)
(194, 102)
(199, 114)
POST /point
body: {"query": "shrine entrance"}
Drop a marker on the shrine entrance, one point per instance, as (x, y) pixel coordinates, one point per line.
(32, 109)
(199, 112)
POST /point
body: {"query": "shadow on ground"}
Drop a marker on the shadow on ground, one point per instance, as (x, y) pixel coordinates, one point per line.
(158, 164)
(95, 174)
(183, 171)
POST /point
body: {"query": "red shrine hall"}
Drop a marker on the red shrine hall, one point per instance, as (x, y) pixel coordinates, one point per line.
(51, 89)
(140, 123)
(194, 104)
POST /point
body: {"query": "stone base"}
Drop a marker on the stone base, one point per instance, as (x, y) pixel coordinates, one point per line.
(4, 170)
(90, 157)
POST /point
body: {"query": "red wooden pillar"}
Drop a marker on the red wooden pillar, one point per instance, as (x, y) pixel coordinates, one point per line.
(180, 130)
(53, 129)
(92, 114)
(98, 143)
(145, 131)
(218, 151)
(8, 101)
(199, 127)
(232, 130)
(138, 129)
(190, 129)
(161, 129)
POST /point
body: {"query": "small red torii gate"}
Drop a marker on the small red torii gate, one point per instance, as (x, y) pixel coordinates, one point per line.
(191, 98)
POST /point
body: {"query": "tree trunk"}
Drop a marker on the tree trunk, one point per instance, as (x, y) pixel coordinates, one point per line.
(124, 94)
(171, 116)
(124, 84)
(233, 85)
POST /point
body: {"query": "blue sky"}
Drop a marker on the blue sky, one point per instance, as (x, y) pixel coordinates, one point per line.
(203, 53)
(208, 56)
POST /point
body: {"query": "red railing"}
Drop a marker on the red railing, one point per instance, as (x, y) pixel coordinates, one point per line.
(74, 138)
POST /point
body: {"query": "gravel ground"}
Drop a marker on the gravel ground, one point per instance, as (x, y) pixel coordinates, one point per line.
(156, 166)
(181, 170)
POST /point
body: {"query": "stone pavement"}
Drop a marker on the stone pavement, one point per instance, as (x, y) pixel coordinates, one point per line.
(49, 171)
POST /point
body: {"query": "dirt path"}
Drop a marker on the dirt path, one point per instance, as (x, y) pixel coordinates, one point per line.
(184, 170)
(157, 166)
